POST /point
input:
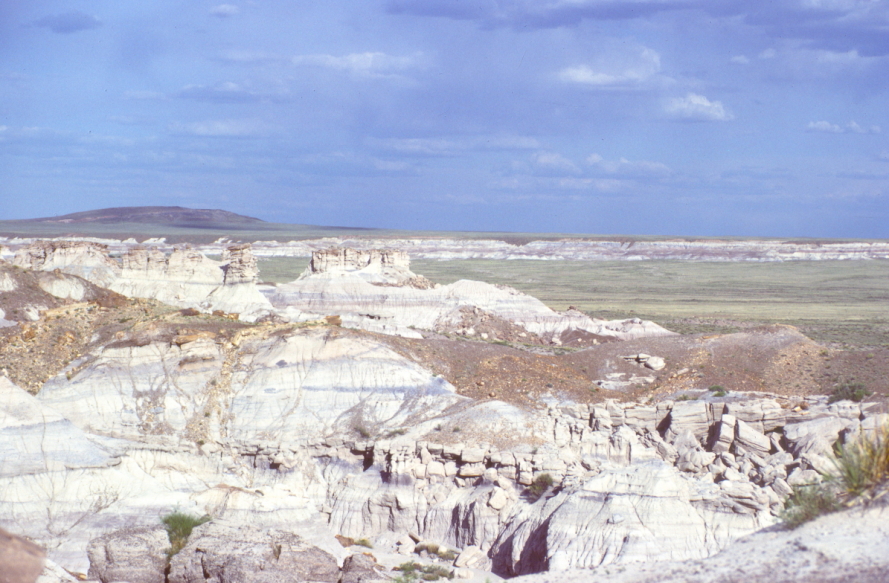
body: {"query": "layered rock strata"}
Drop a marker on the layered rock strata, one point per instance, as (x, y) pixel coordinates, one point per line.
(256, 427)
(185, 278)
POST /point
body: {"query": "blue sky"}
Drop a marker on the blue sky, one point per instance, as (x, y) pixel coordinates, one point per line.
(664, 117)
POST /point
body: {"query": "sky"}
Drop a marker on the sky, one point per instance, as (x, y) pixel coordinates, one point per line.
(637, 117)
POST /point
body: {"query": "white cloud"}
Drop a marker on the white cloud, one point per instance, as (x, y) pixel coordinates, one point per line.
(446, 146)
(600, 184)
(370, 64)
(626, 167)
(824, 126)
(220, 128)
(697, 107)
(854, 127)
(615, 70)
(768, 54)
(740, 60)
(224, 10)
(554, 161)
(832, 128)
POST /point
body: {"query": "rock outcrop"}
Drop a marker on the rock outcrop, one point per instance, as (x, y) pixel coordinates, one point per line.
(348, 283)
(82, 258)
(260, 417)
(221, 552)
(185, 278)
(848, 546)
(135, 555)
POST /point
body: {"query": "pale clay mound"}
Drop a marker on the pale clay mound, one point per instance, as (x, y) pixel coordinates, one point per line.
(320, 431)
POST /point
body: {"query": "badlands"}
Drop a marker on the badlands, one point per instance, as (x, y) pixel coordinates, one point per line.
(363, 417)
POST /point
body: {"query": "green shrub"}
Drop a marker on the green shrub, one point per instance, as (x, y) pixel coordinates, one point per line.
(179, 526)
(717, 388)
(363, 542)
(540, 484)
(849, 392)
(861, 472)
(412, 571)
(360, 430)
(430, 548)
(808, 503)
(447, 555)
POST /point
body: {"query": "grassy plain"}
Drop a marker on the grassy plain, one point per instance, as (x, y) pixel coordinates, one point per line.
(845, 302)
(842, 302)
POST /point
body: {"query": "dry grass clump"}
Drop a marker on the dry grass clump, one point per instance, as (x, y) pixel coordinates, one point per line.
(861, 475)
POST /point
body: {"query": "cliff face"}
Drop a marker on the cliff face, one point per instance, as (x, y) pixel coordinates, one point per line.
(184, 278)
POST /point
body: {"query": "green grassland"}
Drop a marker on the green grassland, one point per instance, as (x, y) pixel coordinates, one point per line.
(844, 302)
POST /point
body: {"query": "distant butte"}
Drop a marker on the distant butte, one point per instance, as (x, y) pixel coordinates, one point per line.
(150, 214)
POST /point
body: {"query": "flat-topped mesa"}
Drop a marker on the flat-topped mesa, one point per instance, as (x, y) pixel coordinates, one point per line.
(385, 267)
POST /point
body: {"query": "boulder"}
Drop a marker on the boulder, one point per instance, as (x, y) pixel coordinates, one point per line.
(362, 568)
(471, 556)
(135, 555)
(724, 435)
(690, 416)
(815, 436)
(229, 552)
(751, 439)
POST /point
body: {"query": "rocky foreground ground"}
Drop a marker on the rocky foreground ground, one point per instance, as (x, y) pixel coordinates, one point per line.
(362, 417)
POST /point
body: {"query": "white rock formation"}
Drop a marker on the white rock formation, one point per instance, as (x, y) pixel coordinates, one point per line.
(82, 258)
(34, 438)
(398, 309)
(306, 385)
(848, 546)
(185, 278)
(252, 430)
